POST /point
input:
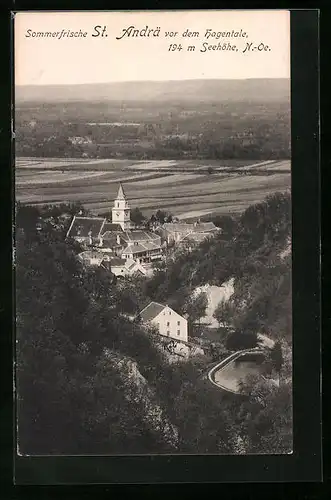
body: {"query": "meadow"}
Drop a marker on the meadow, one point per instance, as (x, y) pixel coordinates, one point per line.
(186, 188)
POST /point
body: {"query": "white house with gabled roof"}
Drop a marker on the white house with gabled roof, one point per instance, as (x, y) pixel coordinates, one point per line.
(168, 322)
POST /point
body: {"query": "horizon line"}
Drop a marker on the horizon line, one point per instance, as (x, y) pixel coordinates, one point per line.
(151, 81)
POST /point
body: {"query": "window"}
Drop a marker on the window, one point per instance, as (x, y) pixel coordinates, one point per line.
(158, 325)
(168, 333)
(168, 324)
(118, 205)
(169, 312)
(178, 323)
(178, 332)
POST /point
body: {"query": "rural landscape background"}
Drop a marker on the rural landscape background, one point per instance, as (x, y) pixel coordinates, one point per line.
(92, 380)
(190, 147)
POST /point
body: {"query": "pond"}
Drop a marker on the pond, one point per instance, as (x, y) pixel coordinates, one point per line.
(238, 370)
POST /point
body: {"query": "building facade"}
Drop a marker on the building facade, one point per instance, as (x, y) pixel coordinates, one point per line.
(167, 321)
(142, 246)
(126, 267)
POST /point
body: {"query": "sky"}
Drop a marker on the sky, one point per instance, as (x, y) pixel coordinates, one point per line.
(54, 61)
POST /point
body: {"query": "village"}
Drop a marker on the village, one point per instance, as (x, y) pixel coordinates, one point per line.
(127, 249)
(152, 241)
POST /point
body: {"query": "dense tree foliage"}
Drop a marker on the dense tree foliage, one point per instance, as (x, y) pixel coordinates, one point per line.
(66, 317)
(195, 307)
(217, 130)
(137, 217)
(250, 251)
(78, 331)
(161, 217)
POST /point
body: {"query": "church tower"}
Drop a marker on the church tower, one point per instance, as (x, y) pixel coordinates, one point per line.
(120, 213)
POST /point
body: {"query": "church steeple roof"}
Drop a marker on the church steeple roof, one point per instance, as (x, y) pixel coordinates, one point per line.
(120, 194)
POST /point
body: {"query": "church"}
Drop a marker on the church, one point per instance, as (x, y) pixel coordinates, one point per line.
(120, 213)
(117, 238)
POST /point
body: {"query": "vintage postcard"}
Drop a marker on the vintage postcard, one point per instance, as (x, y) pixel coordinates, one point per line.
(153, 233)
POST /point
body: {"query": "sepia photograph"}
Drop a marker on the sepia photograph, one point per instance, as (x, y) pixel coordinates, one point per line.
(153, 234)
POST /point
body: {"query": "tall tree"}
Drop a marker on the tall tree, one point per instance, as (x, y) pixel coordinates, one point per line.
(223, 312)
(196, 307)
(137, 216)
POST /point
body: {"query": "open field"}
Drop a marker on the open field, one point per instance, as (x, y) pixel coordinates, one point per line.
(185, 188)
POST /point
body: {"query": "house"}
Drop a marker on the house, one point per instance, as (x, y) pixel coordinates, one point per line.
(134, 267)
(117, 266)
(174, 232)
(111, 242)
(119, 236)
(168, 322)
(86, 230)
(192, 240)
(125, 267)
(143, 246)
(90, 230)
(91, 258)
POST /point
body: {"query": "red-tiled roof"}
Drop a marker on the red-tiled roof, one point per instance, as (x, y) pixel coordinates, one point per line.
(151, 311)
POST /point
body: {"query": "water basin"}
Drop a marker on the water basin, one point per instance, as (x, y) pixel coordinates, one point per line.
(237, 371)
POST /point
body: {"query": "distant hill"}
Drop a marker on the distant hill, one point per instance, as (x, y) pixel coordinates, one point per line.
(184, 90)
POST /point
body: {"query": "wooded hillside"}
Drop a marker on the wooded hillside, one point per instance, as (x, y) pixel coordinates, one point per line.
(71, 326)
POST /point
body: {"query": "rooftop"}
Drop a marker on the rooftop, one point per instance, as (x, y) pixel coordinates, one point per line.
(130, 264)
(117, 261)
(88, 255)
(109, 226)
(175, 227)
(182, 227)
(110, 238)
(129, 236)
(196, 237)
(141, 247)
(120, 194)
(84, 227)
(201, 227)
(134, 249)
(151, 311)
